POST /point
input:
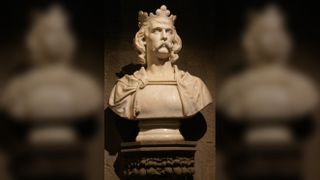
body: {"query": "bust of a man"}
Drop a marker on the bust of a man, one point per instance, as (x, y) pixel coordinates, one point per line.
(159, 90)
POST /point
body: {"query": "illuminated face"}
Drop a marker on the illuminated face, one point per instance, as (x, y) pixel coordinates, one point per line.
(160, 37)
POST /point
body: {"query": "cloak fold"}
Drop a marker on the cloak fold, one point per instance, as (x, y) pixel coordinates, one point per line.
(193, 93)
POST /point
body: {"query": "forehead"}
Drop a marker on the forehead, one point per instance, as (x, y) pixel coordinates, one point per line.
(161, 22)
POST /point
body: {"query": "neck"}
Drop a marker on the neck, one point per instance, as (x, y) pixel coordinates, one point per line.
(159, 69)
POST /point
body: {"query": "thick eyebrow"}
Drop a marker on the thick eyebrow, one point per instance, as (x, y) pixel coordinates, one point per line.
(157, 28)
(160, 28)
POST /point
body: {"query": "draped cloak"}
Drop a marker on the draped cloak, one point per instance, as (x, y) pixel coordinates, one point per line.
(194, 94)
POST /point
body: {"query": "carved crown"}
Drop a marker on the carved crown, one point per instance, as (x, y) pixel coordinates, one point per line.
(162, 12)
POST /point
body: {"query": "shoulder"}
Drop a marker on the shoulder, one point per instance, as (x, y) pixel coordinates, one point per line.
(194, 93)
(132, 80)
(184, 77)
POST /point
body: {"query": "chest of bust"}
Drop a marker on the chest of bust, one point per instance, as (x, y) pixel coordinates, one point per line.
(159, 101)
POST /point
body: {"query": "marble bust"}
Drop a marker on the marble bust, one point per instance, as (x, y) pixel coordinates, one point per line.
(159, 90)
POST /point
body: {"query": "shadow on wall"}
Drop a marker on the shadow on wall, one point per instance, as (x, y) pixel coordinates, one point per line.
(117, 130)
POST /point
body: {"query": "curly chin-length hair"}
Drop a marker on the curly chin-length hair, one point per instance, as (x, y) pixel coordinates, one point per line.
(140, 44)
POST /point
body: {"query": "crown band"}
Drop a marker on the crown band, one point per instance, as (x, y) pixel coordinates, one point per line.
(162, 12)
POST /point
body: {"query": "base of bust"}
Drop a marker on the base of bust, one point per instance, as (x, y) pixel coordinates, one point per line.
(159, 130)
(157, 160)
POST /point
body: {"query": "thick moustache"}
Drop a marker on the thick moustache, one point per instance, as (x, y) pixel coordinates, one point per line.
(166, 44)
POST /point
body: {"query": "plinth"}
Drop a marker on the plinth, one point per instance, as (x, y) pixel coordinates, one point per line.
(157, 160)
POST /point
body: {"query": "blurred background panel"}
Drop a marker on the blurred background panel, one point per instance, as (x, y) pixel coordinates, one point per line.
(30, 148)
(236, 159)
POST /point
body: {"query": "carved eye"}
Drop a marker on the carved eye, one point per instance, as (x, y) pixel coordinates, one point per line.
(156, 30)
(169, 31)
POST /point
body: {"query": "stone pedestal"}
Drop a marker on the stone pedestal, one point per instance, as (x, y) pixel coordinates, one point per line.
(157, 160)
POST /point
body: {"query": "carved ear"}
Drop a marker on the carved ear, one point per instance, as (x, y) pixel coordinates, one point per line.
(143, 40)
(140, 41)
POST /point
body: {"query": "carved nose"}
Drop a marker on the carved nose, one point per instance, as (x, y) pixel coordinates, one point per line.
(164, 35)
